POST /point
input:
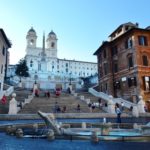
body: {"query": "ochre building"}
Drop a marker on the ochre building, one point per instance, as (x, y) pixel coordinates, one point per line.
(124, 63)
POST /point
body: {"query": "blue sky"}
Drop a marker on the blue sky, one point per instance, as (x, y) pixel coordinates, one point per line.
(80, 25)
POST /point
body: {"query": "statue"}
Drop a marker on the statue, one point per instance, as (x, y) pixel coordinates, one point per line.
(111, 105)
(141, 105)
(13, 105)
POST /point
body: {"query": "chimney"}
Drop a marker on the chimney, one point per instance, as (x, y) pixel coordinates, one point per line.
(137, 24)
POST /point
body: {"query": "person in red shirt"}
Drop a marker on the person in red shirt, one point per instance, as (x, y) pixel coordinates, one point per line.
(4, 100)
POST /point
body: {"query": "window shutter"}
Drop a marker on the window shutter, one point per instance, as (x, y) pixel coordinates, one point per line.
(149, 83)
(139, 39)
(129, 82)
(131, 43)
(126, 44)
(145, 40)
(119, 85)
(135, 83)
(144, 86)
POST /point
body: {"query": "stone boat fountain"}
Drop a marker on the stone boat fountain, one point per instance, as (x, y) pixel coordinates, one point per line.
(57, 130)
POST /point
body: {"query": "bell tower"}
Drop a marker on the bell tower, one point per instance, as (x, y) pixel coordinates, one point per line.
(31, 38)
(52, 44)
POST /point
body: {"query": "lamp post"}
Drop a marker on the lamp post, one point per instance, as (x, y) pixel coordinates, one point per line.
(70, 78)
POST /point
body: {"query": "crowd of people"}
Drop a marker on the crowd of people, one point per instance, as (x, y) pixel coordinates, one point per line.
(57, 92)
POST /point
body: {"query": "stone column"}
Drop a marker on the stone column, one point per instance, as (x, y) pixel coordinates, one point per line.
(111, 105)
(13, 105)
(141, 105)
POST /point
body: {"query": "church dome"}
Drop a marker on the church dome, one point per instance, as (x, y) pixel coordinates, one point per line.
(32, 30)
(52, 34)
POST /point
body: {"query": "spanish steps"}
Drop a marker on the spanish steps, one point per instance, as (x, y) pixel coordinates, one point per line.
(47, 105)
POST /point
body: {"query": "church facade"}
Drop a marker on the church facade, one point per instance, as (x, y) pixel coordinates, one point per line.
(48, 70)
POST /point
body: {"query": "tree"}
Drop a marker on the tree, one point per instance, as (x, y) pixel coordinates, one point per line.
(22, 69)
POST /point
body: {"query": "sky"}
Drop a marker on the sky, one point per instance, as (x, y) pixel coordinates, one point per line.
(80, 25)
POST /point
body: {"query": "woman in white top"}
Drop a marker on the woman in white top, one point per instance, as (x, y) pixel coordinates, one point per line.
(118, 112)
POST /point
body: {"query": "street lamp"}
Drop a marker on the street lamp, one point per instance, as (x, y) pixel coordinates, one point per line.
(70, 78)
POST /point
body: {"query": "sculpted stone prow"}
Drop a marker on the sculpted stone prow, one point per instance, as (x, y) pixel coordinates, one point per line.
(50, 122)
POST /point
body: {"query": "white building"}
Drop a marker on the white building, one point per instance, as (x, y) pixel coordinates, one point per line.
(50, 71)
(4, 45)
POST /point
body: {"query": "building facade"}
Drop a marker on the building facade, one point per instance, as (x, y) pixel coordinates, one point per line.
(45, 67)
(4, 45)
(124, 63)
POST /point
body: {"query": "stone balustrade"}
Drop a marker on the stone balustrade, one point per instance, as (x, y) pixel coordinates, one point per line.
(137, 108)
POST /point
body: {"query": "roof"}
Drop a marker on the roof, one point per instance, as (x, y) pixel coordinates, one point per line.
(31, 30)
(76, 61)
(111, 42)
(5, 38)
(103, 44)
(52, 33)
(129, 23)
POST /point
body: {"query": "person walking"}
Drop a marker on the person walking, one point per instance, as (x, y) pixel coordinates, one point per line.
(78, 108)
(118, 112)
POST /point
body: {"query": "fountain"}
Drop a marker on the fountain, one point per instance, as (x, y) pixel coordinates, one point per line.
(54, 130)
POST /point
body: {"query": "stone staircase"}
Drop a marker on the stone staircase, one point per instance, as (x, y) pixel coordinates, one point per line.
(47, 105)
(88, 95)
(21, 94)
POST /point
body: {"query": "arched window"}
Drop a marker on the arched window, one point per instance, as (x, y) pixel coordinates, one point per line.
(52, 44)
(145, 60)
(31, 63)
(128, 43)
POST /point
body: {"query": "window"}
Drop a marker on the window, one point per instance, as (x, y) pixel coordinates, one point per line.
(105, 86)
(114, 50)
(31, 42)
(117, 85)
(105, 68)
(35, 77)
(128, 43)
(66, 64)
(1, 69)
(52, 44)
(57, 66)
(132, 81)
(31, 63)
(142, 40)
(145, 60)
(146, 83)
(39, 66)
(130, 61)
(3, 51)
(104, 53)
(115, 67)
